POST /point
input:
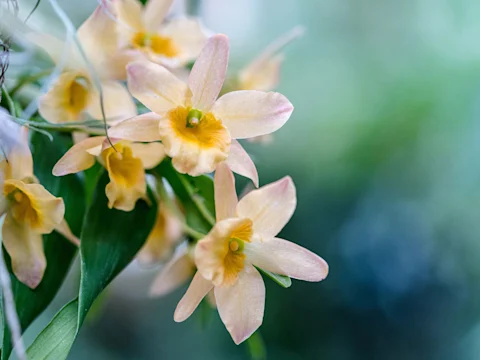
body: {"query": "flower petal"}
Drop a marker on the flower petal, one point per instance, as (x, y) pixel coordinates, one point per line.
(176, 272)
(163, 237)
(241, 306)
(188, 35)
(199, 287)
(156, 87)
(65, 231)
(57, 105)
(98, 34)
(129, 14)
(19, 157)
(270, 207)
(25, 247)
(117, 103)
(286, 258)
(142, 128)
(151, 154)
(77, 158)
(211, 251)
(262, 76)
(154, 13)
(225, 193)
(249, 113)
(58, 50)
(41, 210)
(208, 73)
(240, 162)
(127, 177)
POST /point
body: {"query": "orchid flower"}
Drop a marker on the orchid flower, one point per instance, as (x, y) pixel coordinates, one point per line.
(263, 73)
(30, 210)
(163, 237)
(125, 163)
(242, 239)
(75, 93)
(144, 34)
(197, 130)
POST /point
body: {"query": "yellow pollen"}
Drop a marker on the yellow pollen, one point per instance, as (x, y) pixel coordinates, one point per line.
(234, 246)
(18, 196)
(158, 44)
(202, 129)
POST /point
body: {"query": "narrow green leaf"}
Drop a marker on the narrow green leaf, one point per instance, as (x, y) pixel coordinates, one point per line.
(282, 280)
(56, 339)
(110, 240)
(58, 251)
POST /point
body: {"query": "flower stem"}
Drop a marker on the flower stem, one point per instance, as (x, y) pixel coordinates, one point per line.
(28, 79)
(198, 202)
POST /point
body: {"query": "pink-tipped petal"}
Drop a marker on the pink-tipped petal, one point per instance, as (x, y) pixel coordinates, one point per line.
(25, 247)
(77, 158)
(208, 73)
(199, 287)
(241, 306)
(156, 87)
(142, 128)
(98, 34)
(225, 193)
(118, 105)
(154, 13)
(250, 113)
(270, 207)
(175, 273)
(286, 258)
(241, 163)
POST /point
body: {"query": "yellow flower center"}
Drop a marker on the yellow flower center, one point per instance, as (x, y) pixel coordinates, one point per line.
(123, 168)
(20, 205)
(191, 125)
(158, 44)
(77, 95)
(234, 260)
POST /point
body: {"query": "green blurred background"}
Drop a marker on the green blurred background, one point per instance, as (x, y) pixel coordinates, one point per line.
(384, 149)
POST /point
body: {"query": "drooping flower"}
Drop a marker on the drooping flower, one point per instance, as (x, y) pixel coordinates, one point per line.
(30, 210)
(197, 130)
(164, 236)
(125, 163)
(74, 94)
(244, 238)
(145, 34)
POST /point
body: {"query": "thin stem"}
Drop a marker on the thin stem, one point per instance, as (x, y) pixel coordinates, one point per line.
(169, 202)
(29, 79)
(197, 201)
(11, 104)
(197, 235)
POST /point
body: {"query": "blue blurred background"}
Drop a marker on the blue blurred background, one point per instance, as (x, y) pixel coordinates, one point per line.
(384, 149)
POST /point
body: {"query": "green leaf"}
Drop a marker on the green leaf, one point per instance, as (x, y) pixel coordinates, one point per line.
(256, 346)
(195, 193)
(282, 280)
(59, 252)
(55, 341)
(110, 240)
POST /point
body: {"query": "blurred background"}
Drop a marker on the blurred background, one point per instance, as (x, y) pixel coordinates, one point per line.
(384, 148)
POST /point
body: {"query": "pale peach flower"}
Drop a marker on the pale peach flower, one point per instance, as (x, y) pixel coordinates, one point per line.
(74, 95)
(144, 33)
(242, 239)
(197, 129)
(125, 163)
(30, 210)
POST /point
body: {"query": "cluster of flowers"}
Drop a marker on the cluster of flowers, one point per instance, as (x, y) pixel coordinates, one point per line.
(190, 124)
